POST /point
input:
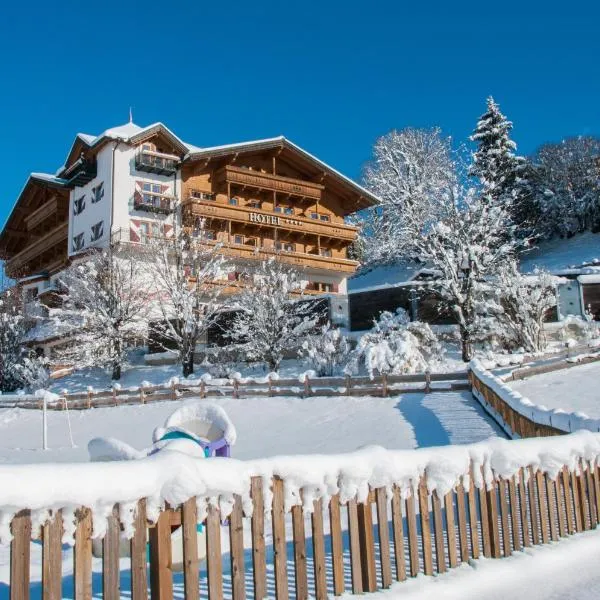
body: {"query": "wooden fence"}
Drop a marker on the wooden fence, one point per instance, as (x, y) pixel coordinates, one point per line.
(353, 547)
(515, 421)
(384, 385)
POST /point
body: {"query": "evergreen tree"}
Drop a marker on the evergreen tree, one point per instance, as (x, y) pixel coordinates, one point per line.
(501, 172)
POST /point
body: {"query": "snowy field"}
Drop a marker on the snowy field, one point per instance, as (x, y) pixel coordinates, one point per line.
(266, 426)
(574, 390)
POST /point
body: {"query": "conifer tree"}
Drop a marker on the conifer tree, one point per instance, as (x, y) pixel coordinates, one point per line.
(500, 171)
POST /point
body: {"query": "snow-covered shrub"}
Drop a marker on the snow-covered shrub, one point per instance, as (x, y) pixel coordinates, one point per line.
(576, 329)
(12, 330)
(396, 346)
(32, 372)
(525, 301)
(325, 350)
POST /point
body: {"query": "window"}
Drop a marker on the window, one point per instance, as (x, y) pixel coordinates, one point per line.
(233, 201)
(98, 192)
(324, 217)
(155, 230)
(319, 286)
(206, 234)
(77, 242)
(97, 231)
(144, 232)
(254, 204)
(325, 252)
(278, 209)
(251, 242)
(238, 239)
(285, 246)
(198, 195)
(79, 205)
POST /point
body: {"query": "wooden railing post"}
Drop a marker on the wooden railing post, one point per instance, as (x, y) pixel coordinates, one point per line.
(139, 584)
(236, 545)
(259, 567)
(384, 389)
(307, 390)
(236, 388)
(279, 543)
(191, 570)
(213, 554)
(348, 384)
(161, 576)
(367, 546)
(20, 554)
(52, 557)
(82, 555)
(110, 558)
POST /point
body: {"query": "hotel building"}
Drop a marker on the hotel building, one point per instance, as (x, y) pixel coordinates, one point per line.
(126, 186)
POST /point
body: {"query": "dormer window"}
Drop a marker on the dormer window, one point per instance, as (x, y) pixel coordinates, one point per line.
(98, 192)
(97, 231)
(78, 205)
(77, 242)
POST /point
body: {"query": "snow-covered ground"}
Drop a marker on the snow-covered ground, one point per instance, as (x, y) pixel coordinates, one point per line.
(266, 426)
(574, 390)
(559, 571)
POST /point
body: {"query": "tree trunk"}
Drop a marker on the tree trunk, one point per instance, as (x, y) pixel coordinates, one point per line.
(188, 365)
(467, 345)
(116, 371)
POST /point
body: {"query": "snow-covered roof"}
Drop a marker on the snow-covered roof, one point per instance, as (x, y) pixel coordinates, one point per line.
(48, 178)
(274, 142)
(385, 276)
(86, 138)
(574, 256)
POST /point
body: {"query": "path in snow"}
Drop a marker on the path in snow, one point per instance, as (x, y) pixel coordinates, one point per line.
(266, 426)
(574, 390)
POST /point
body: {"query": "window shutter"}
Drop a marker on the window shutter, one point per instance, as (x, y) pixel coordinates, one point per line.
(134, 231)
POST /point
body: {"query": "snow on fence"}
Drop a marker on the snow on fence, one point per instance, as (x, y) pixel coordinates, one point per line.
(305, 385)
(518, 414)
(374, 516)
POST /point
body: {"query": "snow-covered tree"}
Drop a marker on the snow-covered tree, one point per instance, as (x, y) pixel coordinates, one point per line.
(567, 191)
(495, 163)
(271, 316)
(396, 345)
(104, 308)
(12, 330)
(187, 272)
(409, 171)
(326, 350)
(515, 305)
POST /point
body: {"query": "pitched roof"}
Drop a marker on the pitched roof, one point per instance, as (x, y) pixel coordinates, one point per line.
(277, 142)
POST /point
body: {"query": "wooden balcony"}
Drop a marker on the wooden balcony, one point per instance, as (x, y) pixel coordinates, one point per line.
(262, 218)
(82, 171)
(268, 181)
(156, 162)
(57, 236)
(301, 259)
(39, 215)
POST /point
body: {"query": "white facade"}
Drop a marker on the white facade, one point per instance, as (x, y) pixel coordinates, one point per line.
(90, 207)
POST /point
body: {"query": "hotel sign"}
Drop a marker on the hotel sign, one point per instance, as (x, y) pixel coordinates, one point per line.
(272, 219)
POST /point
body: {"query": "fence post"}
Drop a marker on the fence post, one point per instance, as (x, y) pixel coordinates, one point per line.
(384, 386)
(427, 381)
(348, 384)
(236, 388)
(142, 396)
(203, 389)
(114, 395)
(89, 398)
(307, 391)
(270, 385)
(173, 391)
(161, 576)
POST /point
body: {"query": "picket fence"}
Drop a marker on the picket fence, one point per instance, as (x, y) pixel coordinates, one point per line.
(383, 385)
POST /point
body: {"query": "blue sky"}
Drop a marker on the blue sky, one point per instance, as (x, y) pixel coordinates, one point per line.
(331, 76)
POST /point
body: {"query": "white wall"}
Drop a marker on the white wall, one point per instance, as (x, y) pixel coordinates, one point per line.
(125, 180)
(93, 213)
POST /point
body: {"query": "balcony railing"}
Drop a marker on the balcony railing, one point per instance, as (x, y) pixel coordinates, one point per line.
(156, 162)
(155, 203)
(262, 218)
(268, 181)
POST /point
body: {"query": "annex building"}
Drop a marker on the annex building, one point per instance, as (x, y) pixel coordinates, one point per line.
(130, 184)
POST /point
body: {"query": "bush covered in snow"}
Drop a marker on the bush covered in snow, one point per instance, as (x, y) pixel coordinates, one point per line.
(396, 346)
(326, 350)
(32, 372)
